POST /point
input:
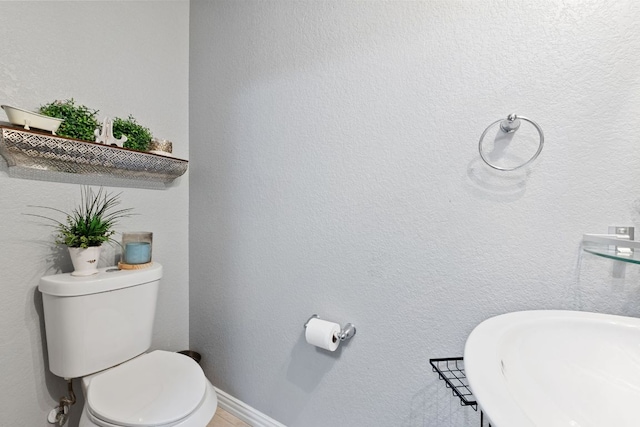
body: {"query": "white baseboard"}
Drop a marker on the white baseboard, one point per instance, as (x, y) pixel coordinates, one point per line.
(244, 412)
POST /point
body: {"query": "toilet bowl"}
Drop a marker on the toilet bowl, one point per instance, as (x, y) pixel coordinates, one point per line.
(99, 329)
(155, 389)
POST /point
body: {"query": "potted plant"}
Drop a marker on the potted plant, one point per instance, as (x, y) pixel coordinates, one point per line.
(87, 227)
(79, 121)
(138, 136)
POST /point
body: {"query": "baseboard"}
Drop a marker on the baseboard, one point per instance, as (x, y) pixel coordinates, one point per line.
(244, 412)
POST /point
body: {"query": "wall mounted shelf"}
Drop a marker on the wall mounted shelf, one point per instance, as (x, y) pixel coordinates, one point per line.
(44, 151)
(618, 245)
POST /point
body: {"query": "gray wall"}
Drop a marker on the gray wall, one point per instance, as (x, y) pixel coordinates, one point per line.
(121, 58)
(335, 171)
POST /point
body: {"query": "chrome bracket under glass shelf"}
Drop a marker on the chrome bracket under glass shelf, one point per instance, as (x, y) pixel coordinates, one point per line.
(47, 152)
(618, 244)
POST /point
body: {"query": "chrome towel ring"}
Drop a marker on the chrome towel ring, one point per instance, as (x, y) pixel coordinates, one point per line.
(510, 125)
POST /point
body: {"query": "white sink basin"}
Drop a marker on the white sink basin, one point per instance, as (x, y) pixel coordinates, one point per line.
(556, 368)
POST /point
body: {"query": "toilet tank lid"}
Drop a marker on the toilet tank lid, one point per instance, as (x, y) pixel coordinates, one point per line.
(107, 279)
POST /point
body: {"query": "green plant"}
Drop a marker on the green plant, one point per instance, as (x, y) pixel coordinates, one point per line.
(79, 121)
(91, 223)
(138, 136)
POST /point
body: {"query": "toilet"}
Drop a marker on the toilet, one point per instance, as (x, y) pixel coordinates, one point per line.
(99, 329)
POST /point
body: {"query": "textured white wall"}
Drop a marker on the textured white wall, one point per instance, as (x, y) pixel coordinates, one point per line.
(335, 171)
(121, 58)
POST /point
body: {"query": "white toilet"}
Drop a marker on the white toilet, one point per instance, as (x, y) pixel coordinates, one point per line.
(98, 328)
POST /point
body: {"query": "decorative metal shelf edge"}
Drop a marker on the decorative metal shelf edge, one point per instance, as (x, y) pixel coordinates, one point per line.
(36, 150)
(451, 371)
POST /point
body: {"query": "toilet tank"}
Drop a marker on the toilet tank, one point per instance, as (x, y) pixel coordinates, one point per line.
(96, 322)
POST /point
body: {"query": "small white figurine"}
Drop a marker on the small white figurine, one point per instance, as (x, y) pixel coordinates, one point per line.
(105, 134)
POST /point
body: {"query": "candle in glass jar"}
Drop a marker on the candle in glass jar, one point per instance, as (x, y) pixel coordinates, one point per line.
(137, 253)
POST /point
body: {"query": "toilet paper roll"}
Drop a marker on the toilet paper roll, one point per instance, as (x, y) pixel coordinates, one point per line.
(323, 334)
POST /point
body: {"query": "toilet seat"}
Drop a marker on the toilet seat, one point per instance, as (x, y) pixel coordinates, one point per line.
(156, 389)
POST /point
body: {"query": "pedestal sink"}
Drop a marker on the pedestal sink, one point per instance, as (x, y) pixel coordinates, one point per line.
(555, 369)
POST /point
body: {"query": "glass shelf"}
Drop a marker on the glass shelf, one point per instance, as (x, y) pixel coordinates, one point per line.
(604, 251)
(613, 247)
(43, 151)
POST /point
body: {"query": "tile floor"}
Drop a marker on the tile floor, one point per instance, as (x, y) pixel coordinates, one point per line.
(225, 419)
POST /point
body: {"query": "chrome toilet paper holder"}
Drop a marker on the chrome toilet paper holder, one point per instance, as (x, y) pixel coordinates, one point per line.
(346, 332)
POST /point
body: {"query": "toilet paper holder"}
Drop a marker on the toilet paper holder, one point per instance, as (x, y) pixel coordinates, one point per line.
(346, 332)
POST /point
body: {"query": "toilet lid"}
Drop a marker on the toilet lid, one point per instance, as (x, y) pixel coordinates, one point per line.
(154, 389)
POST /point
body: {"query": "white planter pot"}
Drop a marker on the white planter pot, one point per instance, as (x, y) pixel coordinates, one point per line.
(85, 261)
